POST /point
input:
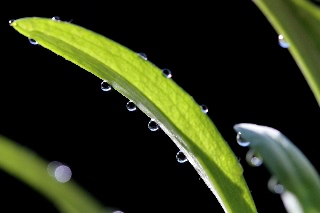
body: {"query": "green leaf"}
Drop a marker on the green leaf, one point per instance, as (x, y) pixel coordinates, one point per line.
(288, 165)
(299, 22)
(30, 168)
(160, 98)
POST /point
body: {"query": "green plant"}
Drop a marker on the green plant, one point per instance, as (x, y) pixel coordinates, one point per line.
(193, 133)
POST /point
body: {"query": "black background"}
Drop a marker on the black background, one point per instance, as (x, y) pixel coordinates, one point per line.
(226, 56)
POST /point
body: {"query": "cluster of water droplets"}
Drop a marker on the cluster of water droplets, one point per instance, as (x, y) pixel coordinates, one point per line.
(60, 172)
(253, 159)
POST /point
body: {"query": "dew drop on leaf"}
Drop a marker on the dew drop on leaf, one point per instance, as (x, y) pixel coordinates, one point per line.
(152, 125)
(181, 158)
(274, 186)
(167, 73)
(55, 18)
(282, 42)
(143, 56)
(105, 86)
(32, 41)
(204, 108)
(131, 106)
(241, 141)
(253, 159)
(11, 22)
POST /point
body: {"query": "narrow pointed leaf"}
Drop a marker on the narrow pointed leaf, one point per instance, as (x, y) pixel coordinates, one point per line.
(287, 163)
(160, 98)
(299, 23)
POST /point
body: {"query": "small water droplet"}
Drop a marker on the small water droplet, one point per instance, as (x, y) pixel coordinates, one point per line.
(118, 212)
(204, 108)
(105, 86)
(152, 125)
(282, 42)
(253, 159)
(131, 106)
(32, 41)
(181, 158)
(63, 174)
(55, 18)
(274, 186)
(11, 22)
(143, 56)
(60, 172)
(241, 141)
(167, 73)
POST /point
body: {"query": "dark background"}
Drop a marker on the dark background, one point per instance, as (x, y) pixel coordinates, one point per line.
(226, 56)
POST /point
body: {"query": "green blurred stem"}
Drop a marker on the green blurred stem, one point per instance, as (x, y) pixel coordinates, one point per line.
(31, 169)
(298, 21)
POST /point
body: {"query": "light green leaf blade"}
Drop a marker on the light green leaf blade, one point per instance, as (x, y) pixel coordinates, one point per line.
(31, 169)
(160, 98)
(299, 22)
(287, 163)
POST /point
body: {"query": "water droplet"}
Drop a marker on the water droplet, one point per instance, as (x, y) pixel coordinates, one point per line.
(181, 158)
(105, 86)
(55, 18)
(143, 56)
(241, 141)
(152, 125)
(118, 212)
(60, 172)
(32, 41)
(282, 42)
(204, 108)
(274, 186)
(131, 106)
(11, 22)
(167, 73)
(63, 174)
(253, 159)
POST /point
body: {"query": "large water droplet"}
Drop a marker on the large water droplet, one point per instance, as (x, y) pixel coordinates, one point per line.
(167, 73)
(32, 41)
(181, 158)
(152, 125)
(105, 86)
(282, 42)
(55, 18)
(11, 22)
(131, 106)
(274, 186)
(253, 159)
(118, 212)
(241, 141)
(204, 108)
(60, 172)
(143, 56)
